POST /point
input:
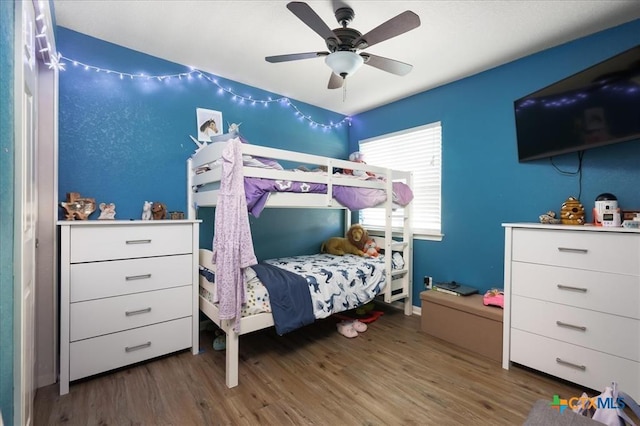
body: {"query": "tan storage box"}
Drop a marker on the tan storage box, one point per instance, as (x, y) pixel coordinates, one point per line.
(463, 321)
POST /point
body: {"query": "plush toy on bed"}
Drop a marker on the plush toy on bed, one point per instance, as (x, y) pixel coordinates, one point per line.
(354, 243)
(371, 248)
(357, 157)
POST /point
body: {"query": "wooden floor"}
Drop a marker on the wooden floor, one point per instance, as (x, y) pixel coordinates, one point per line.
(393, 374)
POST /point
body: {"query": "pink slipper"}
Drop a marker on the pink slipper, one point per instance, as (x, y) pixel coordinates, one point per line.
(358, 326)
(346, 329)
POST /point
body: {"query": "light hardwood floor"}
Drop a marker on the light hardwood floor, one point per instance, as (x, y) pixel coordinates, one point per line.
(393, 374)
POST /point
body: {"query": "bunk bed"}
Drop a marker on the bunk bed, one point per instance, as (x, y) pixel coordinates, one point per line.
(275, 178)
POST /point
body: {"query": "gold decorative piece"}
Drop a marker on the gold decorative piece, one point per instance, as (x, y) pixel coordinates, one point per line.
(77, 207)
(176, 215)
(572, 212)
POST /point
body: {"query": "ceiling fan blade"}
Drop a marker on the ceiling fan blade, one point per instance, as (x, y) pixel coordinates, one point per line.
(402, 23)
(295, 56)
(335, 81)
(304, 12)
(386, 64)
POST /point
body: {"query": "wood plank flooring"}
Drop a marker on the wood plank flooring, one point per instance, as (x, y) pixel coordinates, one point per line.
(393, 374)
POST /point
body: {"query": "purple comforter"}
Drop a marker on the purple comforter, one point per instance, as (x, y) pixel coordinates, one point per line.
(257, 191)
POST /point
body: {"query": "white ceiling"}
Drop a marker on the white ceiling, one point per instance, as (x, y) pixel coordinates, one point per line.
(230, 39)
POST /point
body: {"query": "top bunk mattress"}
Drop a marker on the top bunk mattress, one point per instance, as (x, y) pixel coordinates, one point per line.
(350, 185)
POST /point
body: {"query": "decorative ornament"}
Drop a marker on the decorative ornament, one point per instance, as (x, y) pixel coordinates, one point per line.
(549, 217)
(572, 212)
(77, 207)
(146, 210)
(107, 211)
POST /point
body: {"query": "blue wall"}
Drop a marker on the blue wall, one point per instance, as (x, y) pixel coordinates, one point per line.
(127, 140)
(7, 142)
(483, 185)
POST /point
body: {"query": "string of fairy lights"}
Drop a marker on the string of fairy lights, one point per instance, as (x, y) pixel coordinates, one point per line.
(55, 60)
(195, 73)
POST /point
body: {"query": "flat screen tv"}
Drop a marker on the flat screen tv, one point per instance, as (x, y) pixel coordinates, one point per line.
(595, 107)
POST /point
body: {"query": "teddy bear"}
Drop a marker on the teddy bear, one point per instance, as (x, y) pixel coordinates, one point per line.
(353, 243)
(158, 211)
(107, 211)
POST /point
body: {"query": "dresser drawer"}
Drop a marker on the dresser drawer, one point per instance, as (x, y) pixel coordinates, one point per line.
(552, 356)
(105, 279)
(595, 251)
(595, 330)
(600, 291)
(92, 356)
(97, 243)
(102, 316)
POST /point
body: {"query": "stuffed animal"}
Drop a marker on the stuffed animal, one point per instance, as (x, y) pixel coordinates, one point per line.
(146, 210)
(158, 211)
(357, 157)
(357, 235)
(352, 244)
(371, 248)
(107, 211)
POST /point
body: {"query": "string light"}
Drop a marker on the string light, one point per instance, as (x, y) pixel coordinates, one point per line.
(236, 97)
(54, 60)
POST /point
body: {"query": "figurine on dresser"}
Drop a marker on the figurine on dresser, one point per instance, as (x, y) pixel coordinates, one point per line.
(107, 211)
(146, 210)
(77, 207)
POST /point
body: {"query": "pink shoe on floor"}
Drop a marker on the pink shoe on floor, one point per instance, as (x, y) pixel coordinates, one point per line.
(346, 329)
(358, 326)
(493, 297)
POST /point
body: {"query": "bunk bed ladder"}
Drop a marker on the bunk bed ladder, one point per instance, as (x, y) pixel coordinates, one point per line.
(399, 280)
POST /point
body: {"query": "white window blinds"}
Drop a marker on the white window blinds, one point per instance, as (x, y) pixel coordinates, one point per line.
(418, 150)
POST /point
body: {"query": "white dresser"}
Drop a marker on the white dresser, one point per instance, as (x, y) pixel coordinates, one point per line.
(572, 303)
(128, 293)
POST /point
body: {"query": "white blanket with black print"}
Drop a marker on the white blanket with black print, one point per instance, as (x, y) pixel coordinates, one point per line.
(337, 283)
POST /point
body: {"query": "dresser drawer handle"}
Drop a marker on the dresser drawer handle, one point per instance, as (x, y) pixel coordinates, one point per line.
(137, 277)
(575, 327)
(568, 287)
(138, 241)
(138, 312)
(570, 364)
(572, 250)
(135, 348)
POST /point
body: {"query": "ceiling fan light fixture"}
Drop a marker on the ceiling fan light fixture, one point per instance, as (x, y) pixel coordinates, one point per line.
(344, 63)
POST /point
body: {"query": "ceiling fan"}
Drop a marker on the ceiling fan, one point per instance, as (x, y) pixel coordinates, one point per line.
(344, 43)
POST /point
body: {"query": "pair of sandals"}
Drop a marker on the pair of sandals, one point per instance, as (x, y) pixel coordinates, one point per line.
(351, 329)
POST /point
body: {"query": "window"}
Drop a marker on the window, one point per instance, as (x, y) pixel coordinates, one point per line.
(418, 150)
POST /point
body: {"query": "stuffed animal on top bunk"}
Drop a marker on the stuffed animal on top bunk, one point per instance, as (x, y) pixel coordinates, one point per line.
(354, 243)
(357, 157)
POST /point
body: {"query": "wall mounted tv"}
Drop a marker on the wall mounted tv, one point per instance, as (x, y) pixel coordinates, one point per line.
(595, 107)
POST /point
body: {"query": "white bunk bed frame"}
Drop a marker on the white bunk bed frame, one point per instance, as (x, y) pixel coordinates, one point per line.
(202, 190)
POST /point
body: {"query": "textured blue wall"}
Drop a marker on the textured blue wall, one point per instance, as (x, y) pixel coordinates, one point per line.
(127, 140)
(483, 185)
(7, 142)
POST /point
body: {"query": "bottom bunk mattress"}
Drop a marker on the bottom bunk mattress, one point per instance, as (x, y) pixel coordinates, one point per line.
(298, 290)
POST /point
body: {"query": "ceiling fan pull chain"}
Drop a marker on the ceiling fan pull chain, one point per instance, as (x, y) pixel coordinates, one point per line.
(344, 90)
